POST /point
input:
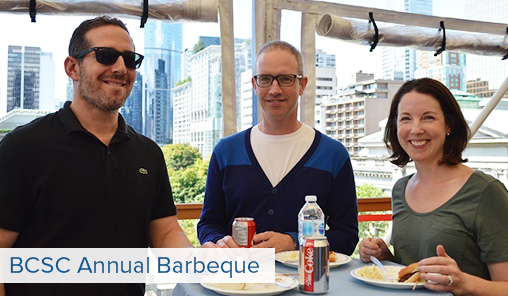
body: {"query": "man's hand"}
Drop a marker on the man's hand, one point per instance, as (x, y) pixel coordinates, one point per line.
(227, 242)
(270, 239)
(209, 245)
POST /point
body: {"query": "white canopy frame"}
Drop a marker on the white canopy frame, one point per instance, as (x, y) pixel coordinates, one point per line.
(267, 23)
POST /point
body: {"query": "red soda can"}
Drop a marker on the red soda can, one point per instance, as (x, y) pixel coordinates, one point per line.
(313, 267)
(244, 229)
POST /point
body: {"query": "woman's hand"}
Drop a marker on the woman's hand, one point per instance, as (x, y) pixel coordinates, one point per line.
(374, 247)
(443, 274)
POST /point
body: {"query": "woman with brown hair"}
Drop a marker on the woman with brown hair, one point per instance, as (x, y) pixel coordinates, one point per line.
(445, 205)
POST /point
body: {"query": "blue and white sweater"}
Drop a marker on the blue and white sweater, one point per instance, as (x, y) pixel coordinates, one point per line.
(237, 187)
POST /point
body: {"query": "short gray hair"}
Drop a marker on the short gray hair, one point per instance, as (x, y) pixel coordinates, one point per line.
(283, 45)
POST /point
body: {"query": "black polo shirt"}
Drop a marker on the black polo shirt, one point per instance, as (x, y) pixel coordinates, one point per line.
(60, 187)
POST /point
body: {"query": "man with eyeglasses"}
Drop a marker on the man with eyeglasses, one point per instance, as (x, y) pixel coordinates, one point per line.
(83, 178)
(266, 171)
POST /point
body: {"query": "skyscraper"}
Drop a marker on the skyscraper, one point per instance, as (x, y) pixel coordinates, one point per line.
(206, 95)
(30, 78)
(447, 67)
(163, 47)
(326, 84)
(132, 110)
(23, 70)
(401, 63)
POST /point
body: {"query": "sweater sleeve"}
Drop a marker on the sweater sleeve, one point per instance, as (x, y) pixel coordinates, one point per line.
(211, 225)
(342, 212)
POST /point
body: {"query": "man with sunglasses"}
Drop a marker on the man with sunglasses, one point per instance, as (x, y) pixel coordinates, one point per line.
(266, 171)
(83, 178)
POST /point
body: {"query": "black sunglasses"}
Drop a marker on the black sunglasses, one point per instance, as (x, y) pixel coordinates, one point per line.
(108, 56)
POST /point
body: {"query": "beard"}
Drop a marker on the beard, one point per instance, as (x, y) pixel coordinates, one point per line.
(91, 91)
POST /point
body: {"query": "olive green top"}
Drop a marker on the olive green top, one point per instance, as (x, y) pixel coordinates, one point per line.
(472, 226)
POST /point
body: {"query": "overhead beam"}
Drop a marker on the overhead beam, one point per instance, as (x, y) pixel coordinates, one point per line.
(395, 17)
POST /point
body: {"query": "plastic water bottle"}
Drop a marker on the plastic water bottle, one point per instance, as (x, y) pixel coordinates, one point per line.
(311, 220)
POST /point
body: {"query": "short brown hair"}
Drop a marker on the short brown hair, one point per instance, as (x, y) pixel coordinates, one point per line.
(455, 142)
(283, 45)
(78, 41)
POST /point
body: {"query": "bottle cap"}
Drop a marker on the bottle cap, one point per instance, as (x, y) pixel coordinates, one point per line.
(311, 198)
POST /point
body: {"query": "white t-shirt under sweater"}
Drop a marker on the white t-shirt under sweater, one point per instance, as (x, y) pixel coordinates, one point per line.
(278, 154)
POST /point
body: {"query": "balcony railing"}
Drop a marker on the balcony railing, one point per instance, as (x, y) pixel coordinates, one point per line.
(371, 204)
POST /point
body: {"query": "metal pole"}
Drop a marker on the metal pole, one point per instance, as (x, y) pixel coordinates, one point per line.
(491, 104)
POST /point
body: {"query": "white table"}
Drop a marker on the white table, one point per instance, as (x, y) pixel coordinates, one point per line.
(341, 284)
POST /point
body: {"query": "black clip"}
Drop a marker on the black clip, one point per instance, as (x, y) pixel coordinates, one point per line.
(375, 40)
(144, 16)
(506, 55)
(443, 44)
(32, 10)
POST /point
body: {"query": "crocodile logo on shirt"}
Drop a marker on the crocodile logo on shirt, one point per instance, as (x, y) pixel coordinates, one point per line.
(143, 171)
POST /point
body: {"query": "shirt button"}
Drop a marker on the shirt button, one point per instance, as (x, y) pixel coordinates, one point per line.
(274, 191)
(270, 212)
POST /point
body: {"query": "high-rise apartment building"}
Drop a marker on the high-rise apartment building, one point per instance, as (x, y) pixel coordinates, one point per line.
(245, 99)
(182, 113)
(401, 63)
(163, 48)
(69, 89)
(447, 67)
(490, 69)
(479, 88)
(243, 62)
(357, 109)
(132, 110)
(326, 83)
(198, 103)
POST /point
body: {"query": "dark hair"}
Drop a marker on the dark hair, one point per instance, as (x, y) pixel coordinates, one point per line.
(455, 142)
(78, 41)
(283, 45)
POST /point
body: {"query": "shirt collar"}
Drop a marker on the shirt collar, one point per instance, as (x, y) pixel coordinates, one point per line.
(71, 123)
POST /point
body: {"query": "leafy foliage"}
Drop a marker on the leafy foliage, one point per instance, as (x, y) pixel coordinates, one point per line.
(198, 46)
(189, 184)
(189, 227)
(370, 229)
(188, 79)
(368, 190)
(180, 156)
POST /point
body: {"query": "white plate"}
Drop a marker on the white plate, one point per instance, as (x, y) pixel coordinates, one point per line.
(257, 289)
(385, 284)
(290, 258)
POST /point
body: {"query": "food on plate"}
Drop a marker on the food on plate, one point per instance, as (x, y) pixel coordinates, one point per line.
(410, 274)
(333, 256)
(287, 256)
(370, 272)
(230, 286)
(247, 286)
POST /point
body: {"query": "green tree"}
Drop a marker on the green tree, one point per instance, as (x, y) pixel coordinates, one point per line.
(198, 46)
(368, 190)
(188, 79)
(180, 156)
(188, 184)
(370, 229)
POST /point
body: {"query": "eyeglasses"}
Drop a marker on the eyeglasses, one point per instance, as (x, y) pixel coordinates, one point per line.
(286, 80)
(108, 56)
